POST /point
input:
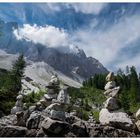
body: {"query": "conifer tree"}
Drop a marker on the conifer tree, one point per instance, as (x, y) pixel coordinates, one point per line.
(17, 72)
(134, 84)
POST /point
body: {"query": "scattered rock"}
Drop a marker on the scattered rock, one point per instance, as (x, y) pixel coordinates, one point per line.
(55, 111)
(32, 108)
(31, 133)
(12, 131)
(41, 133)
(80, 129)
(8, 120)
(20, 119)
(35, 120)
(54, 128)
(72, 119)
(108, 131)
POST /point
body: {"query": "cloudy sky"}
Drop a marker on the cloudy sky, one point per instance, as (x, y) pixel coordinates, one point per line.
(108, 32)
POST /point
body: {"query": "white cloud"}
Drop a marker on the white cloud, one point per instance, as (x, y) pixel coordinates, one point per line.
(89, 8)
(49, 36)
(106, 44)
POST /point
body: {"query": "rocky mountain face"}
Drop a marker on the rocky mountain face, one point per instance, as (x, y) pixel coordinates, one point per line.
(75, 65)
(71, 62)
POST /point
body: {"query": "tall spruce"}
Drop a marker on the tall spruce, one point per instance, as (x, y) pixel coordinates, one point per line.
(17, 72)
(134, 84)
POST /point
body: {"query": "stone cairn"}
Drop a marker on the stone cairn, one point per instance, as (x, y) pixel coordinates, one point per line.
(56, 110)
(112, 114)
(111, 93)
(18, 106)
(53, 90)
(55, 100)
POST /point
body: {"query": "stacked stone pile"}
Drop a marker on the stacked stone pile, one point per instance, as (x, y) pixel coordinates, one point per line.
(18, 106)
(112, 114)
(53, 90)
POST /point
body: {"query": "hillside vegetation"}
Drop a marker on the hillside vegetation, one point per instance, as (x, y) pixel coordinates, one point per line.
(10, 85)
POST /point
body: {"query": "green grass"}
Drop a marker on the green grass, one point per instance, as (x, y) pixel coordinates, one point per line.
(32, 98)
(89, 96)
(96, 115)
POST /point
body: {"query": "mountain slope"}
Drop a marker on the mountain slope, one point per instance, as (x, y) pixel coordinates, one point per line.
(36, 73)
(41, 73)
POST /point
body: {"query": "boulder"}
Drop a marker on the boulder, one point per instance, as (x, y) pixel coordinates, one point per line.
(58, 115)
(80, 129)
(55, 128)
(55, 111)
(108, 131)
(20, 119)
(32, 108)
(116, 119)
(31, 133)
(34, 121)
(71, 119)
(138, 114)
(12, 131)
(8, 120)
(39, 106)
(41, 133)
(111, 104)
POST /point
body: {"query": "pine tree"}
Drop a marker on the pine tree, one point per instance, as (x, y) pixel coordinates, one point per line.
(17, 72)
(127, 71)
(134, 84)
